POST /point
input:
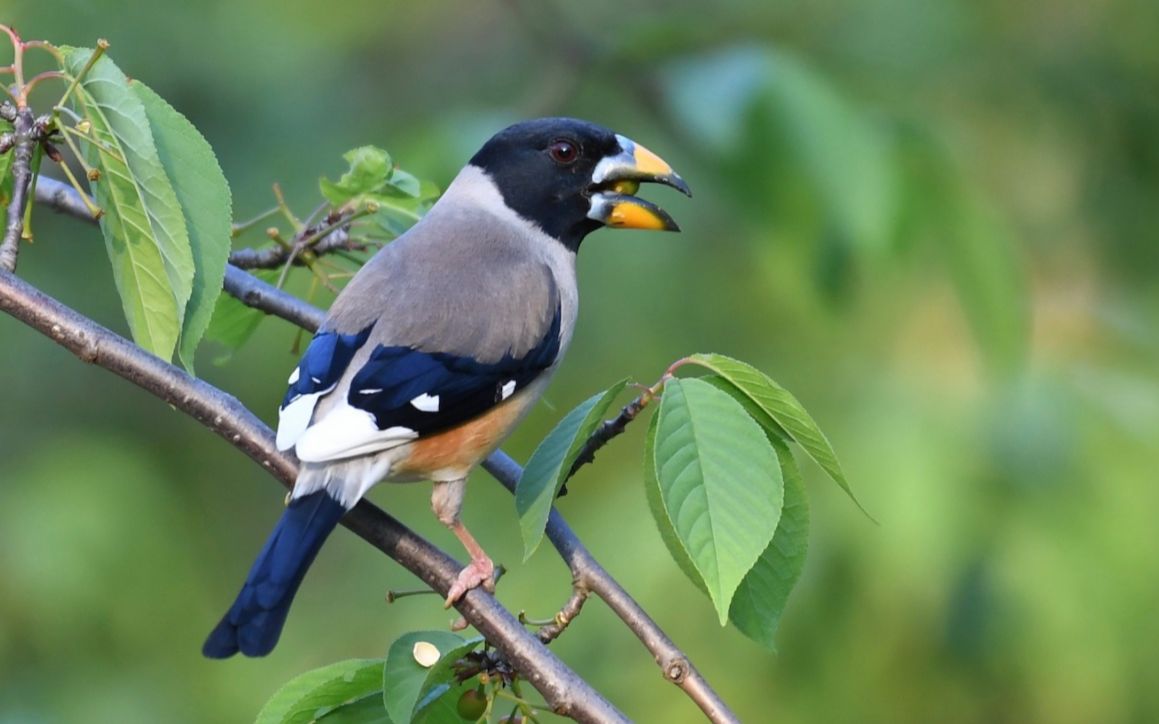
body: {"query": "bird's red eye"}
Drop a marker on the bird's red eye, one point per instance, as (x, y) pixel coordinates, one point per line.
(563, 152)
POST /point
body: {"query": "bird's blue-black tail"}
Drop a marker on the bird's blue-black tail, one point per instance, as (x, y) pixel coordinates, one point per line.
(254, 622)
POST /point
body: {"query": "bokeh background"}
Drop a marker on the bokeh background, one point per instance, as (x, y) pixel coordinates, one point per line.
(935, 222)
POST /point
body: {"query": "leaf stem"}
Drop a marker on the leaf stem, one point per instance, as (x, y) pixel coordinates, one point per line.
(392, 596)
(45, 46)
(96, 142)
(37, 156)
(40, 78)
(523, 706)
(244, 226)
(295, 223)
(17, 63)
(102, 46)
(95, 210)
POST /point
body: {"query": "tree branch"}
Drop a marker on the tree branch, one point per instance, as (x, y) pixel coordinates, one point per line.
(586, 570)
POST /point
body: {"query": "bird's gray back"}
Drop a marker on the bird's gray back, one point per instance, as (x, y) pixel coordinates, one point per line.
(463, 281)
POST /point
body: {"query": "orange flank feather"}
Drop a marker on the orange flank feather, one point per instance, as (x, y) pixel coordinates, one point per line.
(452, 453)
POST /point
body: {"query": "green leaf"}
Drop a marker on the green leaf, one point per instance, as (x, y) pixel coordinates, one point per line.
(204, 196)
(234, 322)
(367, 710)
(395, 218)
(318, 693)
(784, 409)
(143, 224)
(443, 709)
(370, 171)
(404, 183)
(549, 465)
(761, 597)
(408, 686)
(720, 483)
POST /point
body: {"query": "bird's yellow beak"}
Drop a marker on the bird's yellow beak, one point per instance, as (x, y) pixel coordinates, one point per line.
(615, 181)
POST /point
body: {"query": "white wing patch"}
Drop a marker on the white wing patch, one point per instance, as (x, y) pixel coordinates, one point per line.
(508, 389)
(294, 376)
(294, 418)
(426, 403)
(346, 431)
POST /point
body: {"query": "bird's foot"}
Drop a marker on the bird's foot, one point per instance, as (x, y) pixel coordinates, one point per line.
(479, 572)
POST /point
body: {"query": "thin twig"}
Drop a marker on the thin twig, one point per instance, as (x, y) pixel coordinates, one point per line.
(607, 430)
(24, 133)
(565, 615)
(586, 570)
(332, 237)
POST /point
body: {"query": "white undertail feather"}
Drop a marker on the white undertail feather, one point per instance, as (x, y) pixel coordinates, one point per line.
(346, 482)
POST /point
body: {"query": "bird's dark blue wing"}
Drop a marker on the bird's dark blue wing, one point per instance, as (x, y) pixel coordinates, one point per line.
(431, 391)
(323, 363)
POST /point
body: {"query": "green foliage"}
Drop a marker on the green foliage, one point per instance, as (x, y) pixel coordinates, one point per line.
(410, 687)
(326, 692)
(397, 197)
(844, 157)
(397, 688)
(976, 244)
(143, 224)
(786, 416)
(203, 195)
(760, 598)
(546, 470)
(719, 482)
(371, 176)
(831, 171)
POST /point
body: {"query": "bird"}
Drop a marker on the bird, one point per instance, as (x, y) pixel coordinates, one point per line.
(440, 345)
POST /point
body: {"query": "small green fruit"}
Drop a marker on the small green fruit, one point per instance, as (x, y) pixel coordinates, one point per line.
(472, 704)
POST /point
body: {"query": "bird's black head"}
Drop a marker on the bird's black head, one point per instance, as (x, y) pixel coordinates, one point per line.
(571, 177)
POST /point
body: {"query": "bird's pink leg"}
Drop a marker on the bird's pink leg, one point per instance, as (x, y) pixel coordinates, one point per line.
(446, 501)
(479, 571)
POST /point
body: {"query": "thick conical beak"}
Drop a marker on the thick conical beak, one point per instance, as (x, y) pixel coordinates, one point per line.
(615, 181)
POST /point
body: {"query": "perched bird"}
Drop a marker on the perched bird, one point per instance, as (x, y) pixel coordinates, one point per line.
(440, 345)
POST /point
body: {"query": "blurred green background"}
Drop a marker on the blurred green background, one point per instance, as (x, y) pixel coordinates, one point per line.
(934, 222)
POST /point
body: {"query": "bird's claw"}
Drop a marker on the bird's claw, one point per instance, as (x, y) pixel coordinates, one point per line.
(478, 572)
